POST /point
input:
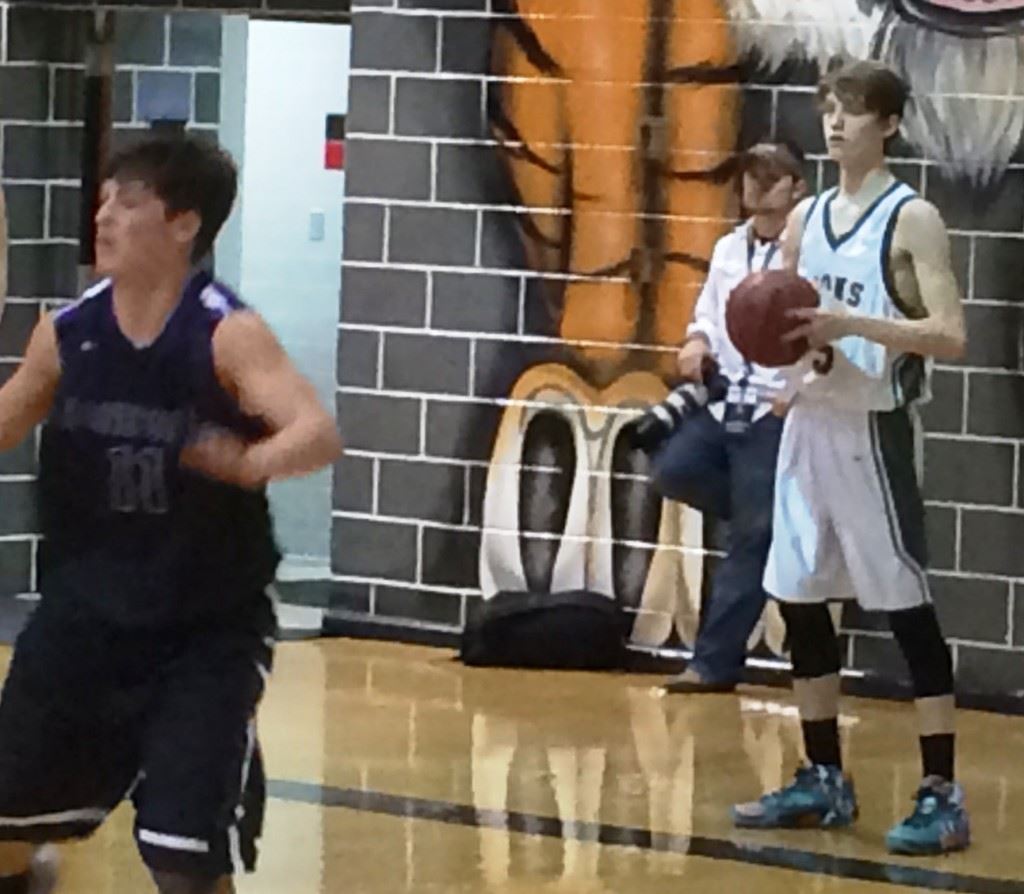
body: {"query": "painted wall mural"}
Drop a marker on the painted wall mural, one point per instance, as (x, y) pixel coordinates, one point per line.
(619, 147)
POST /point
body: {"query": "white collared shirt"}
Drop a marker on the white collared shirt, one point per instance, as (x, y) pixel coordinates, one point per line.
(736, 255)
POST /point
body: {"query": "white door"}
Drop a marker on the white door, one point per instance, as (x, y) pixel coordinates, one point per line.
(282, 249)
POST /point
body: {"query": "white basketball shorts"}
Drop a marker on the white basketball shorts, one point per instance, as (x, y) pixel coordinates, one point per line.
(848, 518)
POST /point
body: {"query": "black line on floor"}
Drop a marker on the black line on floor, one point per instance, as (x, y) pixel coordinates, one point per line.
(645, 839)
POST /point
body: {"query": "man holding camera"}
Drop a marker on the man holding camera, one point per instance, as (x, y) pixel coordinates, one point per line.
(721, 459)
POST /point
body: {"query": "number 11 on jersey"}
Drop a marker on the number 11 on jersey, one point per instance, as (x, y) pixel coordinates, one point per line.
(137, 481)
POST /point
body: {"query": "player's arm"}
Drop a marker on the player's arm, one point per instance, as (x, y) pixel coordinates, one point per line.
(921, 235)
(792, 237)
(252, 365)
(794, 234)
(26, 398)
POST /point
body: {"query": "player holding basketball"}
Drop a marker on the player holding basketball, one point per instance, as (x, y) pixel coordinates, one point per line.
(849, 519)
(168, 406)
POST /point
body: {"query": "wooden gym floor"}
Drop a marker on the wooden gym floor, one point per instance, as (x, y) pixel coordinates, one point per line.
(395, 769)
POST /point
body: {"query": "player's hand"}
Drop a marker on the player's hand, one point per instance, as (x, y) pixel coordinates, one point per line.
(780, 406)
(691, 359)
(223, 456)
(820, 327)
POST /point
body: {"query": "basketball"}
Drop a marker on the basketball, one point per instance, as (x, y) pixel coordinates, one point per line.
(756, 316)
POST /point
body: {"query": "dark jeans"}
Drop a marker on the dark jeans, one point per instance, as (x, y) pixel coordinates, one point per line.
(732, 477)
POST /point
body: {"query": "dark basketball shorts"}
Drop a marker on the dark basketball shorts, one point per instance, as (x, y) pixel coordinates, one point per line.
(92, 715)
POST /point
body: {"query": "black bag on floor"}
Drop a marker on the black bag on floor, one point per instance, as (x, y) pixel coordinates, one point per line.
(576, 630)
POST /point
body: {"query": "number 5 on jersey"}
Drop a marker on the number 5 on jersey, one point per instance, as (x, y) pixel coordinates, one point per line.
(824, 360)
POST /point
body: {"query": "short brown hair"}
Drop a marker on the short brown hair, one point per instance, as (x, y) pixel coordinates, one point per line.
(774, 160)
(188, 173)
(866, 85)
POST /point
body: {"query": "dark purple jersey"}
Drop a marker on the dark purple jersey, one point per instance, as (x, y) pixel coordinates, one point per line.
(130, 534)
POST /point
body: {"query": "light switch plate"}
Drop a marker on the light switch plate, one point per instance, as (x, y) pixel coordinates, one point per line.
(317, 225)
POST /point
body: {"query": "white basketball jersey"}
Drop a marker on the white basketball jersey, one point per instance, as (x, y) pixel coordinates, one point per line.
(853, 270)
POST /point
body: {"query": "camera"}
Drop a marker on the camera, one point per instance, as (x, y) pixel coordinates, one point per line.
(660, 421)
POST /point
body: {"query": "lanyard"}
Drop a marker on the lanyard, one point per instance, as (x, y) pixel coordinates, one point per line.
(748, 367)
(740, 393)
(768, 257)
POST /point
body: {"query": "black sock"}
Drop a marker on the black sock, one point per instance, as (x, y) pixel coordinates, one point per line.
(938, 755)
(15, 884)
(821, 741)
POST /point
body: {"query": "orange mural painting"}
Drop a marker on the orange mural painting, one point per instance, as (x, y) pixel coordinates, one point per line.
(618, 146)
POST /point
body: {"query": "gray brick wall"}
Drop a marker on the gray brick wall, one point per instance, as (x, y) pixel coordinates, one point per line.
(441, 313)
(41, 78)
(429, 250)
(285, 9)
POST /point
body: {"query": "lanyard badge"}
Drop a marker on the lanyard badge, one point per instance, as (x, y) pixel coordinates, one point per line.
(740, 403)
(738, 418)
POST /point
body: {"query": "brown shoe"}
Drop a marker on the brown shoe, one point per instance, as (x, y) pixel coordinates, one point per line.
(690, 682)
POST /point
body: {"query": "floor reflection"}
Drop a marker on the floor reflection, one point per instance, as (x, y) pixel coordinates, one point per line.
(397, 770)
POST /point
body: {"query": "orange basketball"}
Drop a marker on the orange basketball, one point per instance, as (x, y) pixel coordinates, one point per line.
(756, 316)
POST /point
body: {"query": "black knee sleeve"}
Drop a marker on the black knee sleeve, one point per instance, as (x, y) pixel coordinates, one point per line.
(813, 644)
(920, 640)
